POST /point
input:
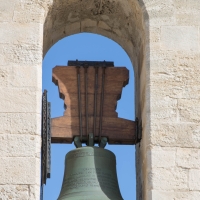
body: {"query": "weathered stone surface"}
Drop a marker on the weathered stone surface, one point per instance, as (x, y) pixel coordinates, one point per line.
(185, 18)
(175, 134)
(34, 192)
(26, 76)
(159, 157)
(179, 38)
(189, 110)
(20, 100)
(23, 33)
(20, 123)
(20, 76)
(188, 158)
(14, 192)
(19, 170)
(186, 5)
(175, 195)
(13, 145)
(165, 179)
(160, 12)
(21, 54)
(194, 177)
(5, 76)
(6, 10)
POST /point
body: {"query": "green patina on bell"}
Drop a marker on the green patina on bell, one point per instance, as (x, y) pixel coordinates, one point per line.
(90, 174)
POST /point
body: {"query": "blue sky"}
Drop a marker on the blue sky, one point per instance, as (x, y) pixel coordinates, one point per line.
(86, 46)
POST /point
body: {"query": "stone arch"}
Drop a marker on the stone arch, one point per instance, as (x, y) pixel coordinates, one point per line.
(121, 21)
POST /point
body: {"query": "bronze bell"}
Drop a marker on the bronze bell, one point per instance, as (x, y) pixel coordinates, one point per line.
(90, 174)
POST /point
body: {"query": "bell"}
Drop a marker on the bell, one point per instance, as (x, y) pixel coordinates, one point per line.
(90, 174)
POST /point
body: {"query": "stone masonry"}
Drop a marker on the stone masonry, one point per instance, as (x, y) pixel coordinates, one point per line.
(162, 39)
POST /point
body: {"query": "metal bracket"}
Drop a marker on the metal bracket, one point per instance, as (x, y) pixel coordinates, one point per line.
(138, 130)
(103, 142)
(78, 63)
(46, 138)
(90, 141)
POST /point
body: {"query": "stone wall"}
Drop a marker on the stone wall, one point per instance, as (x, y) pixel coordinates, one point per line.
(171, 145)
(21, 32)
(161, 38)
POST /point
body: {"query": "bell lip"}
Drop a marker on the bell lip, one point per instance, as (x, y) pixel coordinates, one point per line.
(89, 194)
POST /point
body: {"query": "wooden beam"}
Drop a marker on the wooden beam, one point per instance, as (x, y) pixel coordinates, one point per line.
(65, 128)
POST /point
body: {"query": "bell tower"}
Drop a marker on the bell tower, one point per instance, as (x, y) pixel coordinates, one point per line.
(162, 40)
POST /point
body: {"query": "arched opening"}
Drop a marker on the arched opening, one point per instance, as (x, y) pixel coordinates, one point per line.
(121, 21)
(90, 47)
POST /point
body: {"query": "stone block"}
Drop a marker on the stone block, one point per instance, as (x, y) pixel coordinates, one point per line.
(5, 123)
(5, 76)
(168, 179)
(162, 107)
(19, 170)
(21, 76)
(175, 195)
(21, 54)
(160, 13)
(25, 123)
(20, 192)
(29, 13)
(3, 146)
(20, 100)
(6, 10)
(159, 194)
(105, 26)
(186, 5)
(175, 134)
(165, 114)
(16, 33)
(87, 23)
(188, 158)
(72, 28)
(194, 177)
(24, 76)
(13, 145)
(153, 38)
(163, 62)
(20, 123)
(188, 19)
(34, 192)
(154, 34)
(189, 110)
(178, 38)
(175, 68)
(188, 62)
(161, 157)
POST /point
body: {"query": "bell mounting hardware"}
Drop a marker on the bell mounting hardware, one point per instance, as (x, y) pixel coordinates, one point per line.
(46, 141)
(90, 91)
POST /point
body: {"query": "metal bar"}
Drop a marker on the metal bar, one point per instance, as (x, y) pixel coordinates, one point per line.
(86, 99)
(41, 191)
(95, 99)
(44, 132)
(79, 102)
(48, 159)
(101, 103)
(91, 63)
